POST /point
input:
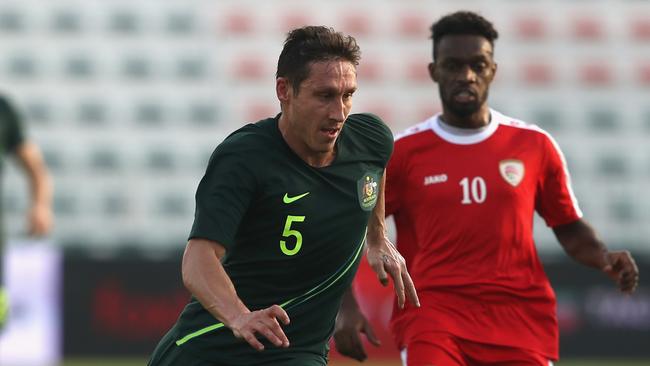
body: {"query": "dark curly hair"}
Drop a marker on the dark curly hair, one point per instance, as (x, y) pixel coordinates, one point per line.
(462, 23)
(311, 44)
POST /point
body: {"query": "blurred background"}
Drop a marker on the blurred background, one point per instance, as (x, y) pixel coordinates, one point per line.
(127, 99)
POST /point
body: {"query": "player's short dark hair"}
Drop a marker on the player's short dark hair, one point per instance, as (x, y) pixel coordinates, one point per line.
(462, 23)
(312, 44)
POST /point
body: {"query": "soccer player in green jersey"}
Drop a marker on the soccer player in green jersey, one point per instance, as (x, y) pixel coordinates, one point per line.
(14, 142)
(281, 217)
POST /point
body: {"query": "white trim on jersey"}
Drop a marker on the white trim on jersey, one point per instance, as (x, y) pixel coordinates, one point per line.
(523, 125)
(469, 139)
(420, 127)
(402, 355)
(433, 124)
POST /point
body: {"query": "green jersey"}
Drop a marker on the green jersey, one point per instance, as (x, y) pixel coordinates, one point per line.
(11, 132)
(11, 136)
(294, 235)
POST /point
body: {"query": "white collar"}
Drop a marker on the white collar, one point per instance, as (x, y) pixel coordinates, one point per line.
(481, 134)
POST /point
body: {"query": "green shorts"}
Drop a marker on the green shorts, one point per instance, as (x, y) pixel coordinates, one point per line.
(167, 353)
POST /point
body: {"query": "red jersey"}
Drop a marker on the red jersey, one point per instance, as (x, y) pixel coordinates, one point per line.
(463, 207)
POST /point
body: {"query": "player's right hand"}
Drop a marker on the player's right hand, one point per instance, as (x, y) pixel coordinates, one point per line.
(263, 322)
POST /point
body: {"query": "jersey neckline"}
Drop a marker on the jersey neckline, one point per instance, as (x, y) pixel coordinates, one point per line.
(434, 123)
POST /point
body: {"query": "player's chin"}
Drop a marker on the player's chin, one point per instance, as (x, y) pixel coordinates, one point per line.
(463, 109)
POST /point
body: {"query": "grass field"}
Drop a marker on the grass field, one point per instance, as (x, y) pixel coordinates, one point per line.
(569, 362)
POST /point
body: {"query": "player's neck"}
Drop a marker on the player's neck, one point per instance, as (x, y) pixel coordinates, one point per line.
(478, 119)
(316, 159)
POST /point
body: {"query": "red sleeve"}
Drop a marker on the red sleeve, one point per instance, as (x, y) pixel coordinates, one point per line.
(555, 201)
(393, 182)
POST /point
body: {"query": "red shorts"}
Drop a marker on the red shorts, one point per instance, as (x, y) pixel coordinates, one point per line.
(444, 349)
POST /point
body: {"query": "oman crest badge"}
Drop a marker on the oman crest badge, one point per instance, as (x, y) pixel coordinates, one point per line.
(512, 170)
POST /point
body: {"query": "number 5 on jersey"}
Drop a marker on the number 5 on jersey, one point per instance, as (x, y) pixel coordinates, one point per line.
(477, 189)
(289, 232)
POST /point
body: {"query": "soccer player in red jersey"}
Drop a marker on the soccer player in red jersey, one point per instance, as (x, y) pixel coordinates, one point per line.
(463, 187)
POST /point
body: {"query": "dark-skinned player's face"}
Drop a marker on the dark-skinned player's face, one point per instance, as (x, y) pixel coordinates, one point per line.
(464, 69)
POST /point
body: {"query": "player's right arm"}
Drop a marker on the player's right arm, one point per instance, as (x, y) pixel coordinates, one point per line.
(206, 279)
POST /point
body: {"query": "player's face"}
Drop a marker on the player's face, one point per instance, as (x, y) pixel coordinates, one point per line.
(464, 69)
(317, 112)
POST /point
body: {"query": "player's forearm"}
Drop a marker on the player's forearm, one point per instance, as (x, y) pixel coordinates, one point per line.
(349, 302)
(40, 183)
(377, 221)
(580, 242)
(206, 279)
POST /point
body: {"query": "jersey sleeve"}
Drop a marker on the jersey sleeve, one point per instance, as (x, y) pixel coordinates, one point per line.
(555, 201)
(224, 193)
(15, 135)
(379, 135)
(394, 175)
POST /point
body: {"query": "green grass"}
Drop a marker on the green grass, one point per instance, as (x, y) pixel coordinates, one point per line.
(569, 362)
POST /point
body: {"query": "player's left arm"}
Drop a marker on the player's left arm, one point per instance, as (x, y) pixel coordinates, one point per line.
(383, 256)
(40, 212)
(350, 323)
(579, 240)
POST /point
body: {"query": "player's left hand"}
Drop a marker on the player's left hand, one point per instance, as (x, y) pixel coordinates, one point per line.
(621, 268)
(40, 220)
(350, 322)
(385, 260)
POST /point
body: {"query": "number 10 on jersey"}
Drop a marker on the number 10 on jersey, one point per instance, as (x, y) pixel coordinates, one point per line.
(474, 191)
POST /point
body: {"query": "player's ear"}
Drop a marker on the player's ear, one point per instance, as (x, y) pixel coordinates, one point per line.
(282, 89)
(432, 71)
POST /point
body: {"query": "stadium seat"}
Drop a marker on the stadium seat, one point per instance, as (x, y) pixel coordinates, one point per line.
(160, 160)
(370, 70)
(548, 118)
(11, 21)
(22, 66)
(294, 20)
(172, 204)
(105, 160)
(114, 203)
(136, 68)
(149, 113)
(66, 22)
(643, 74)
(238, 22)
(39, 112)
(596, 74)
(416, 70)
(54, 159)
(65, 203)
(612, 165)
(203, 114)
(79, 67)
(249, 67)
(413, 25)
(190, 68)
(537, 73)
(180, 23)
(601, 120)
(124, 22)
(257, 110)
(92, 113)
(622, 209)
(640, 27)
(588, 28)
(530, 27)
(357, 24)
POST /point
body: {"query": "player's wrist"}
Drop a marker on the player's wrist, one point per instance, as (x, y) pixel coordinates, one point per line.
(228, 315)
